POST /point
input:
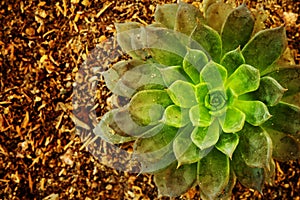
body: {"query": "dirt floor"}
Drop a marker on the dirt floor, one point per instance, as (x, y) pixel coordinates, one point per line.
(47, 56)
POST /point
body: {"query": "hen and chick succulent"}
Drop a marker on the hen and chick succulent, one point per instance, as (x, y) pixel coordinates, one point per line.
(204, 99)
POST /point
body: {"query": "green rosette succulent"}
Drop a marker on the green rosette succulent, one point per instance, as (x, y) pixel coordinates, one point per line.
(204, 102)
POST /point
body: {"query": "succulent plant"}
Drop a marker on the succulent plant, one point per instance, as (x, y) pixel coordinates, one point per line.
(204, 102)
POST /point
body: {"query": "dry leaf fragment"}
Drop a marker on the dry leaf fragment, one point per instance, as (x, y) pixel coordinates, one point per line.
(79, 122)
(51, 197)
(103, 9)
(30, 31)
(75, 1)
(67, 157)
(85, 3)
(42, 3)
(26, 120)
(290, 18)
(30, 183)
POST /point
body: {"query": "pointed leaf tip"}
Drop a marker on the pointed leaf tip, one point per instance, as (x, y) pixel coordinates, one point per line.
(193, 63)
(166, 14)
(228, 143)
(247, 176)
(187, 17)
(243, 80)
(237, 29)
(265, 47)
(209, 39)
(206, 137)
(174, 182)
(214, 172)
(256, 112)
(270, 91)
(232, 121)
(232, 60)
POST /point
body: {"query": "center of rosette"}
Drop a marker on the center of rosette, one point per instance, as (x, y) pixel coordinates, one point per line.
(215, 100)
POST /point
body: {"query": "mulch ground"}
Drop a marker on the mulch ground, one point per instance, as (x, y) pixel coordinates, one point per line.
(47, 82)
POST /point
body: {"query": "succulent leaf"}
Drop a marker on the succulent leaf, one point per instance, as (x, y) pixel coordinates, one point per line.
(285, 147)
(227, 143)
(269, 91)
(214, 75)
(206, 137)
(126, 37)
(185, 150)
(289, 78)
(255, 146)
(166, 14)
(182, 94)
(170, 50)
(209, 39)
(227, 192)
(250, 177)
(232, 60)
(155, 153)
(216, 15)
(232, 121)
(138, 78)
(243, 80)
(187, 17)
(265, 48)
(200, 116)
(113, 75)
(172, 74)
(285, 118)
(147, 106)
(201, 91)
(174, 182)
(109, 130)
(256, 111)
(176, 116)
(211, 177)
(193, 63)
(237, 28)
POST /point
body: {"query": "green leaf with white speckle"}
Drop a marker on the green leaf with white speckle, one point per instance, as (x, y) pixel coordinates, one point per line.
(243, 80)
(211, 177)
(185, 150)
(256, 112)
(250, 177)
(182, 94)
(174, 182)
(193, 63)
(176, 116)
(265, 48)
(147, 106)
(206, 137)
(237, 29)
(232, 121)
(255, 147)
(232, 60)
(227, 143)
